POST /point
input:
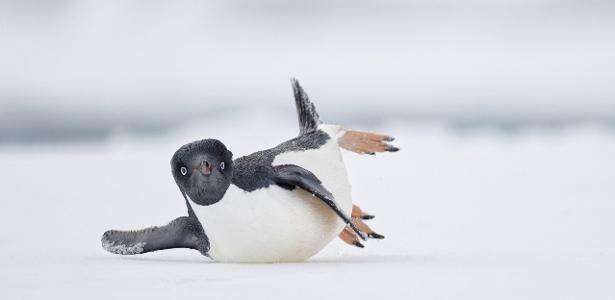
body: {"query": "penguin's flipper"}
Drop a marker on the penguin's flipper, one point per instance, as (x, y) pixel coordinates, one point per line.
(366, 142)
(292, 176)
(182, 232)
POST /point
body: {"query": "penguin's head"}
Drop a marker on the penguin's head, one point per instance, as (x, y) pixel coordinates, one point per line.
(203, 170)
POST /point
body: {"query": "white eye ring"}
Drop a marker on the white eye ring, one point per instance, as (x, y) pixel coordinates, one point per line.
(222, 165)
(183, 170)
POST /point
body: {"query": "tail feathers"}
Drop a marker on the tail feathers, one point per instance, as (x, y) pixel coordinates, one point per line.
(308, 117)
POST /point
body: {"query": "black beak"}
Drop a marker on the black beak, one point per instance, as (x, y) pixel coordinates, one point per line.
(205, 168)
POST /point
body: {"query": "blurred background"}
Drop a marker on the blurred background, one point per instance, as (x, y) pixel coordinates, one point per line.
(75, 70)
(504, 111)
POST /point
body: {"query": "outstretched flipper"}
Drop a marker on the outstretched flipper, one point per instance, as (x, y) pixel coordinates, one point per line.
(182, 232)
(291, 176)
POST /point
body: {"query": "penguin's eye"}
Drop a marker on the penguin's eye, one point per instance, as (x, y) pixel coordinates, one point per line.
(183, 170)
(222, 166)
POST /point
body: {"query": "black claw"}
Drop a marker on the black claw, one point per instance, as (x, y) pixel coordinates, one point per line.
(358, 244)
(389, 138)
(367, 217)
(371, 153)
(391, 148)
(374, 235)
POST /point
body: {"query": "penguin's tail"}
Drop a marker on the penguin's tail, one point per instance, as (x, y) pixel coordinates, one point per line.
(356, 141)
(306, 111)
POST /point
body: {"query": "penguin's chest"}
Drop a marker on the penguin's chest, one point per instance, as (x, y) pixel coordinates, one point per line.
(274, 224)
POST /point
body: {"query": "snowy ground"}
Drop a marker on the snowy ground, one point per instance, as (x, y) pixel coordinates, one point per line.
(471, 214)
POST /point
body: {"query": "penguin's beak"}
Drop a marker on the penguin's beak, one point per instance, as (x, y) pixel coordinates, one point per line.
(205, 168)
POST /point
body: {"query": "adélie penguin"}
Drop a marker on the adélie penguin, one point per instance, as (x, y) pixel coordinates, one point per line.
(282, 204)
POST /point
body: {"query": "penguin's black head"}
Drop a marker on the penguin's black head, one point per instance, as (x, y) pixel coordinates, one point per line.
(203, 170)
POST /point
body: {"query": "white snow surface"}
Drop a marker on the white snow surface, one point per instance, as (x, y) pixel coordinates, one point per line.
(466, 215)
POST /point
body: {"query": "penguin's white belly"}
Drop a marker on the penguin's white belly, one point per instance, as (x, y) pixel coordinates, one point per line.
(277, 225)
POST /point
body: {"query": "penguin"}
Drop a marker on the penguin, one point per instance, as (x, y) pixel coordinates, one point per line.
(282, 204)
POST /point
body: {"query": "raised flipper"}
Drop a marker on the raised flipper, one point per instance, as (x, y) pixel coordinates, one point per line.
(291, 176)
(182, 232)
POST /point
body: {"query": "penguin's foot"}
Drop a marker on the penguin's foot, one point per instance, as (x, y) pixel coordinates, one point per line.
(358, 213)
(366, 142)
(365, 229)
(350, 237)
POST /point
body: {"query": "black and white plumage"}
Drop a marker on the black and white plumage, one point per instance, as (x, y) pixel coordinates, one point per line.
(277, 205)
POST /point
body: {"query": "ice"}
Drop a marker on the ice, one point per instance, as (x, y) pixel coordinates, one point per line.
(466, 214)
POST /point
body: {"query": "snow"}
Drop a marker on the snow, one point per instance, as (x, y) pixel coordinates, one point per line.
(477, 214)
